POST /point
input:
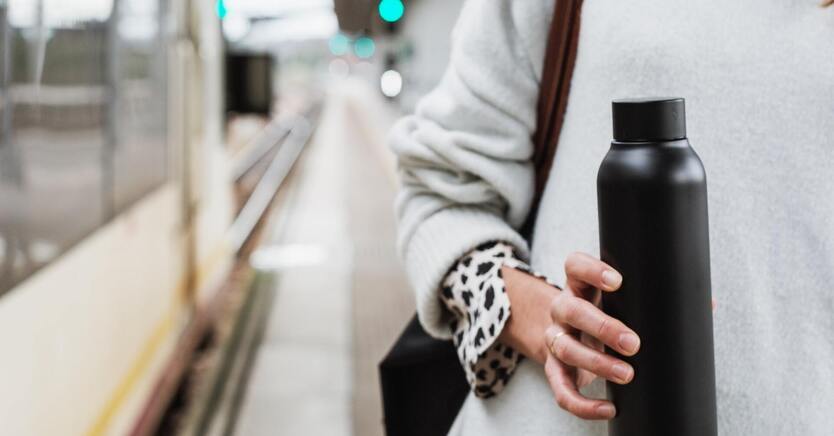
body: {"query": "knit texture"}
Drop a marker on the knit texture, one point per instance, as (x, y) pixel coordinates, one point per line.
(757, 76)
(465, 155)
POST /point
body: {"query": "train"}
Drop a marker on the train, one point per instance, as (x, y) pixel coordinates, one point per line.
(120, 207)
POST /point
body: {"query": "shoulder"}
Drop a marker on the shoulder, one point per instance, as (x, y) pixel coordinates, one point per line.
(523, 24)
(532, 18)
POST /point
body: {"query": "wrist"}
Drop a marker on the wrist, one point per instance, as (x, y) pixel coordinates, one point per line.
(530, 299)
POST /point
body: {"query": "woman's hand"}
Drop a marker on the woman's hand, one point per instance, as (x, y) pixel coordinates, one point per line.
(566, 330)
(577, 334)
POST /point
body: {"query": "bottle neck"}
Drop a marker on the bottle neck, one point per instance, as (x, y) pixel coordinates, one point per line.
(674, 143)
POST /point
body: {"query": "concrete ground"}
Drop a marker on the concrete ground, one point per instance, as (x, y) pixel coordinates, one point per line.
(341, 297)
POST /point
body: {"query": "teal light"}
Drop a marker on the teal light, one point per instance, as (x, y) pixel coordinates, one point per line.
(364, 47)
(391, 10)
(221, 9)
(339, 44)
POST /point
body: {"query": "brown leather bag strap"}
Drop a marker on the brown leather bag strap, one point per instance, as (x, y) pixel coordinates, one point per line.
(559, 61)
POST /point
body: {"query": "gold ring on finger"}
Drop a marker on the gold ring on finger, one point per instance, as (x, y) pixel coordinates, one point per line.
(553, 341)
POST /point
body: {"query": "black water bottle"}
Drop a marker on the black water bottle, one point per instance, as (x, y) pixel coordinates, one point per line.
(652, 196)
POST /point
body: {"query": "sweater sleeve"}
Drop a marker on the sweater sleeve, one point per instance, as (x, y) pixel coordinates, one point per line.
(464, 156)
(475, 293)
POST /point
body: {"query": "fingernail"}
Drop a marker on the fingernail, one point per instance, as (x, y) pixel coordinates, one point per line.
(622, 372)
(606, 410)
(611, 279)
(629, 342)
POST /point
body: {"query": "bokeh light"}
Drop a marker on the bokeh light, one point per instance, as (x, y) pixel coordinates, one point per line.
(221, 9)
(391, 83)
(339, 44)
(364, 47)
(391, 10)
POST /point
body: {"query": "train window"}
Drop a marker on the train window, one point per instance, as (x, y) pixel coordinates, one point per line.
(83, 122)
(140, 154)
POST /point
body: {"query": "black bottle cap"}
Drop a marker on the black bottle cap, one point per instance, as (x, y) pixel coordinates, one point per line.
(649, 119)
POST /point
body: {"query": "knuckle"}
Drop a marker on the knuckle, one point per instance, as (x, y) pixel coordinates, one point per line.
(550, 333)
(596, 362)
(572, 310)
(555, 303)
(560, 348)
(576, 409)
(561, 304)
(562, 400)
(572, 263)
(604, 326)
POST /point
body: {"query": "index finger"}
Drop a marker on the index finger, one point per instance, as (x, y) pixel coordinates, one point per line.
(583, 271)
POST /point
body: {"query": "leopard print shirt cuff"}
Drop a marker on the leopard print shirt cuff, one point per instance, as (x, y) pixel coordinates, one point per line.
(473, 291)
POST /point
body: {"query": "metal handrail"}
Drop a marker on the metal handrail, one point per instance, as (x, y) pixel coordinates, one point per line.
(270, 137)
(258, 202)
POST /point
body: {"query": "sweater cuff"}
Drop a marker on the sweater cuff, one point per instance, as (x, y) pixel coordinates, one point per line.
(437, 245)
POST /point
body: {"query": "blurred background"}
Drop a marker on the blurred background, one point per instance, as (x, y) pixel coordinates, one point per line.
(196, 211)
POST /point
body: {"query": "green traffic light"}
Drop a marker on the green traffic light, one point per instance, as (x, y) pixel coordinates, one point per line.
(220, 7)
(391, 10)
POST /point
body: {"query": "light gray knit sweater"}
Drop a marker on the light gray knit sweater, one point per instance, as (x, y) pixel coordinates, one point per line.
(758, 76)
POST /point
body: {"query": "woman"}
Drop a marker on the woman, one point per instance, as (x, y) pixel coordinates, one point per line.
(759, 79)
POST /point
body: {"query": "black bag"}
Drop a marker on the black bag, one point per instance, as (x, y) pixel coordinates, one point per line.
(423, 384)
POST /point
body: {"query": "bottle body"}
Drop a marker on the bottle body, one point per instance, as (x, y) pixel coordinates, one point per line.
(653, 225)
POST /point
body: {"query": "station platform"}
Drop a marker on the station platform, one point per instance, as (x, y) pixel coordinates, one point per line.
(340, 297)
